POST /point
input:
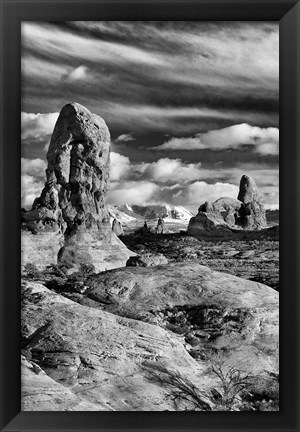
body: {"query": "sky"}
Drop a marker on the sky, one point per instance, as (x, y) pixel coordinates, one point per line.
(191, 106)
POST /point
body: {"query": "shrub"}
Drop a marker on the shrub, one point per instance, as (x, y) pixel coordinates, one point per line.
(233, 382)
(56, 284)
(31, 271)
(263, 395)
(86, 269)
(179, 389)
(58, 270)
(76, 283)
(177, 328)
(235, 389)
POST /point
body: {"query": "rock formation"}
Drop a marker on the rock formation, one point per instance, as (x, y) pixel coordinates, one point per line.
(182, 316)
(252, 212)
(71, 216)
(223, 217)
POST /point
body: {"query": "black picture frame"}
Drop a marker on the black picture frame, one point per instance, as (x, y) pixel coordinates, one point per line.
(285, 11)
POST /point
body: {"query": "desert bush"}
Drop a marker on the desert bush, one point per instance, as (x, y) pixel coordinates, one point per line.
(177, 328)
(76, 283)
(263, 395)
(31, 272)
(233, 382)
(192, 340)
(56, 284)
(86, 269)
(58, 270)
(179, 389)
(229, 395)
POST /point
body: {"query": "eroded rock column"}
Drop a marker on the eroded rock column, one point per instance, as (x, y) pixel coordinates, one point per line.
(72, 204)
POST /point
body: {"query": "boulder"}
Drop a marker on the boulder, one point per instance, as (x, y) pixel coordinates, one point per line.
(207, 225)
(117, 227)
(73, 201)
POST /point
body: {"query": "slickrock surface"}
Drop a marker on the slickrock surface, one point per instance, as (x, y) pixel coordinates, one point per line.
(97, 356)
(72, 205)
(245, 213)
(96, 342)
(254, 256)
(42, 393)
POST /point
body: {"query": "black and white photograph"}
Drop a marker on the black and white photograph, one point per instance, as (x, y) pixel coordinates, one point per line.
(150, 216)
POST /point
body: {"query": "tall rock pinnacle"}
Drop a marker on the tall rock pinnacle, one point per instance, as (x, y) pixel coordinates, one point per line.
(248, 190)
(253, 210)
(73, 201)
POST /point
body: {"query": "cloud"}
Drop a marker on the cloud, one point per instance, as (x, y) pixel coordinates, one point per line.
(164, 170)
(268, 148)
(119, 166)
(175, 176)
(264, 140)
(77, 74)
(37, 125)
(125, 137)
(270, 196)
(263, 175)
(31, 188)
(152, 74)
(33, 167)
(170, 170)
(32, 180)
(176, 119)
(190, 195)
(139, 192)
(62, 44)
(200, 191)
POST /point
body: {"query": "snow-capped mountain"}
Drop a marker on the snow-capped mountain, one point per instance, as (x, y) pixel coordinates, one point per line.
(127, 210)
(148, 212)
(124, 218)
(179, 212)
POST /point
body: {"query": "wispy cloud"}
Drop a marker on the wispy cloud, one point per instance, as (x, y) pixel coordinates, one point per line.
(125, 138)
(151, 73)
(264, 140)
(77, 74)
